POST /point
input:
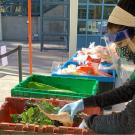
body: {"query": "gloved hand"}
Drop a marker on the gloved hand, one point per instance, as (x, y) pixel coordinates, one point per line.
(83, 124)
(73, 108)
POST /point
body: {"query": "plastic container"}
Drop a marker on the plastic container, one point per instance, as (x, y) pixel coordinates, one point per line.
(70, 61)
(14, 105)
(80, 87)
(99, 78)
(105, 83)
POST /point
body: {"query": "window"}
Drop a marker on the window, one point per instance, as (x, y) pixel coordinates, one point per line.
(13, 8)
(82, 27)
(95, 12)
(92, 19)
(35, 7)
(19, 7)
(93, 27)
(107, 11)
(104, 27)
(82, 12)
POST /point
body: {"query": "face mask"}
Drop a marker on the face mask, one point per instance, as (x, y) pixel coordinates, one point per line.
(124, 46)
(124, 52)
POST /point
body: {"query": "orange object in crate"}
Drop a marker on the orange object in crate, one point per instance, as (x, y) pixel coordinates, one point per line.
(14, 105)
(88, 69)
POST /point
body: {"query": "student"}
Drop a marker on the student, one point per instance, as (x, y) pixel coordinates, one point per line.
(121, 25)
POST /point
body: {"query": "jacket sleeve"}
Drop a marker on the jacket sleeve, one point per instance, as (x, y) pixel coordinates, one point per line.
(117, 123)
(115, 96)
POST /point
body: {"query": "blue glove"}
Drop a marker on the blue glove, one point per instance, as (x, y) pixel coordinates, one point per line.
(83, 124)
(73, 108)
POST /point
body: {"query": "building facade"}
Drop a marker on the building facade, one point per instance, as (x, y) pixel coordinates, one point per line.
(91, 20)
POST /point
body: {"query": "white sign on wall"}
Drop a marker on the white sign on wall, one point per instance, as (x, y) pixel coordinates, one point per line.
(3, 60)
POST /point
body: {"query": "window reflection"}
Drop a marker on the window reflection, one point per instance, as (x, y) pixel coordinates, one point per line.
(104, 27)
(11, 8)
(95, 12)
(81, 27)
(35, 7)
(93, 27)
(107, 11)
(82, 12)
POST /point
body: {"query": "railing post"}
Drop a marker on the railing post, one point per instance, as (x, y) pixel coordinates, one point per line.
(20, 62)
(41, 26)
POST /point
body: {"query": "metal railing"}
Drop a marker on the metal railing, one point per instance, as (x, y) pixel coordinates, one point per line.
(19, 50)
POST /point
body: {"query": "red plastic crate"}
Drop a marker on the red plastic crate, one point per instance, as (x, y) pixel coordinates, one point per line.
(14, 105)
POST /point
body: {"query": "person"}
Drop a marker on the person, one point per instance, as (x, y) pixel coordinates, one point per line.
(121, 23)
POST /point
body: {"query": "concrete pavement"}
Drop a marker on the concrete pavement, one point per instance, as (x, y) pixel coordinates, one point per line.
(6, 83)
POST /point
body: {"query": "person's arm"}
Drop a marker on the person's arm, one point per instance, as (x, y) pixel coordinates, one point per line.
(117, 123)
(115, 96)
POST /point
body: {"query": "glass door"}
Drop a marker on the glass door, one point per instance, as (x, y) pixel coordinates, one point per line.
(54, 24)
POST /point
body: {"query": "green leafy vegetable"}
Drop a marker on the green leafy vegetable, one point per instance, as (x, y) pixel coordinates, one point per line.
(41, 86)
(32, 114)
(49, 108)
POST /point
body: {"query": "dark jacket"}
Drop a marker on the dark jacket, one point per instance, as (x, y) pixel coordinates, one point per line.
(118, 123)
